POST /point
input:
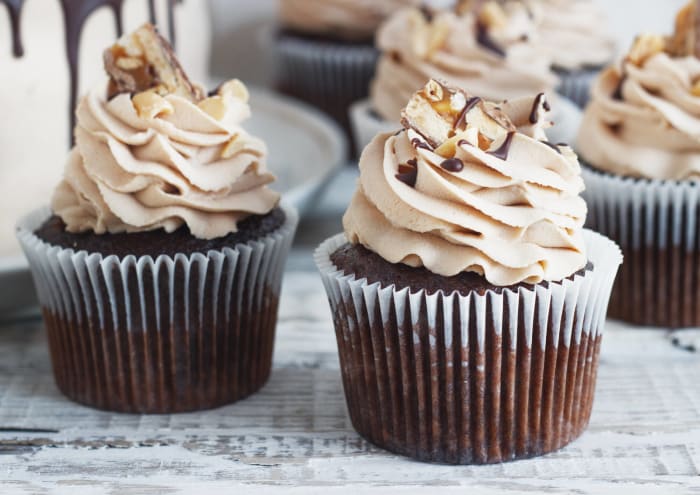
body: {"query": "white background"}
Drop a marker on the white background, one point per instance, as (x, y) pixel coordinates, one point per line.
(237, 22)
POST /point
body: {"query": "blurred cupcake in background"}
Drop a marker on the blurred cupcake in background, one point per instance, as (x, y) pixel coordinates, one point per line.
(47, 69)
(325, 50)
(574, 34)
(468, 300)
(158, 266)
(487, 47)
(640, 138)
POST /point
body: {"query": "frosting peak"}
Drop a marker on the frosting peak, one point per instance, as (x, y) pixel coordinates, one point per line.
(471, 185)
(495, 53)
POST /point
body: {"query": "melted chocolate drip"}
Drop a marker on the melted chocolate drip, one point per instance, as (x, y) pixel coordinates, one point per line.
(555, 147)
(14, 9)
(417, 143)
(75, 15)
(408, 174)
(427, 12)
(484, 39)
(461, 120)
(453, 165)
(617, 93)
(504, 149)
(539, 100)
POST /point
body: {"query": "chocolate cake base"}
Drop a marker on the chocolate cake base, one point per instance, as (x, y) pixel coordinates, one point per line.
(168, 334)
(464, 378)
(157, 242)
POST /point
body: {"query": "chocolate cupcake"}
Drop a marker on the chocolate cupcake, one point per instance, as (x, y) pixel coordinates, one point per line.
(490, 48)
(468, 302)
(639, 139)
(326, 53)
(574, 35)
(158, 265)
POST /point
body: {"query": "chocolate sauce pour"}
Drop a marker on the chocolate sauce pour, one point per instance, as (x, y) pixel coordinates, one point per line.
(75, 15)
(14, 9)
(504, 149)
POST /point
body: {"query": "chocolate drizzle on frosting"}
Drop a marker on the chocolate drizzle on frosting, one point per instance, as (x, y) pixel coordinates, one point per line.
(484, 39)
(461, 119)
(541, 100)
(14, 9)
(555, 147)
(75, 15)
(453, 165)
(408, 174)
(504, 149)
(417, 143)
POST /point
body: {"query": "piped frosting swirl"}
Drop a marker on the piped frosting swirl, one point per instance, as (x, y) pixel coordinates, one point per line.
(469, 185)
(163, 165)
(573, 33)
(495, 53)
(644, 116)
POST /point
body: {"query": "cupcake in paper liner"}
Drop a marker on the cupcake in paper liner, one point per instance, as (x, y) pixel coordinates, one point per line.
(468, 302)
(491, 49)
(325, 50)
(640, 141)
(158, 266)
(574, 34)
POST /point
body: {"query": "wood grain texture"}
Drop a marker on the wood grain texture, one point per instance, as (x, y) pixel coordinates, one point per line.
(295, 437)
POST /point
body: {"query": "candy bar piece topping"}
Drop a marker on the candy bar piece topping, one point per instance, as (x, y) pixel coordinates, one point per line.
(645, 46)
(443, 115)
(143, 61)
(686, 39)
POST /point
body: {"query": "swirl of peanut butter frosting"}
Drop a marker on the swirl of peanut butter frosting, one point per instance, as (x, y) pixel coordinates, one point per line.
(164, 157)
(471, 186)
(493, 52)
(573, 33)
(345, 19)
(644, 116)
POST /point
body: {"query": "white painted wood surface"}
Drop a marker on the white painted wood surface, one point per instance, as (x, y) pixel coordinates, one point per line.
(295, 437)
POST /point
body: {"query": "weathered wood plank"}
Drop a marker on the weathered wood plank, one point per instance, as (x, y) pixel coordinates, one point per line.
(644, 436)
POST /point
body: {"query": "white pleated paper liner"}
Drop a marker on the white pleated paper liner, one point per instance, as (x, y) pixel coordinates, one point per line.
(576, 85)
(473, 379)
(366, 124)
(328, 75)
(161, 335)
(655, 222)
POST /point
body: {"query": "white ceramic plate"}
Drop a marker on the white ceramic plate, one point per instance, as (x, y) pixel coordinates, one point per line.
(306, 149)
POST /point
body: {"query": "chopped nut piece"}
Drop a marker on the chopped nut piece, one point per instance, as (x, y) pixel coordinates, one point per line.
(428, 35)
(492, 16)
(686, 39)
(143, 60)
(695, 90)
(215, 106)
(645, 46)
(431, 113)
(149, 105)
